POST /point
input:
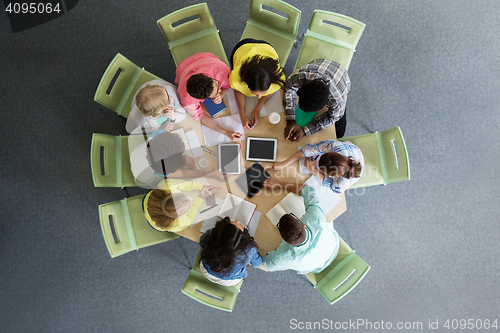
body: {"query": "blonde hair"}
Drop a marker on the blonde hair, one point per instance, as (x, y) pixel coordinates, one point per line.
(151, 100)
(164, 207)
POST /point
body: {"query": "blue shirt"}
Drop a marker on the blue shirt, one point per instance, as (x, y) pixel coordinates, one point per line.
(240, 268)
(318, 250)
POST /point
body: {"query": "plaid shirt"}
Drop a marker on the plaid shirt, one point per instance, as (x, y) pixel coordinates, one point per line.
(335, 76)
(347, 149)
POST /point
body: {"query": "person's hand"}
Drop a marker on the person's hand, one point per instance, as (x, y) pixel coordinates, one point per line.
(166, 126)
(298, 135)
(246, 122)
(191, 164)
(277, 166)
(234, 136)
(168, 112)
(290, 130)
(222, 176)
(310, 163)
(270, 183)
(255, 117)
(208, 190)
(217, 99)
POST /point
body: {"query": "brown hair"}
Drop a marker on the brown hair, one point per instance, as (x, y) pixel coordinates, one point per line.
(337, 165)
(151, 100)
(166, 153)
(292, 230)
(164, 207)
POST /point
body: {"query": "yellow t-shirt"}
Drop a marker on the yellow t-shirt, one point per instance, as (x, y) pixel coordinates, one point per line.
(175, 185)
(247, 51)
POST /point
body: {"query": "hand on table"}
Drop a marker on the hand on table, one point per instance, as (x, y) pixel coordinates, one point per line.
(219, 175)
(208, 190)
(298, 135)
(255, 117)
(270, 183)
(310, 163)
(290, 130)
(234, 136)
(277, 166)
(246, 122)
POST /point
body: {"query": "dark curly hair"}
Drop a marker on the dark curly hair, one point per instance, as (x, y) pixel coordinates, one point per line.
(166, 153)
(292, 230)
(260, 72)
(200, 86)
(226, 246)
(313, 95)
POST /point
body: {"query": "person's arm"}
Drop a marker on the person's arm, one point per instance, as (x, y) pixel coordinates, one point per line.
(255, 113)
(279, 259)
(256, 258)
(175, 184)
(311, 200)
(240, 101)
(280, 165)
(334, 113)
(187, 219)
(208, 121)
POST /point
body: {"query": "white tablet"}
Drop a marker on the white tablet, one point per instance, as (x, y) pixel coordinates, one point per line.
(261, 149)
(230, 158)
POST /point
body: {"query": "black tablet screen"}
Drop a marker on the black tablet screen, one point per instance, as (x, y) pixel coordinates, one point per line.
(261, 149)
(252, 180)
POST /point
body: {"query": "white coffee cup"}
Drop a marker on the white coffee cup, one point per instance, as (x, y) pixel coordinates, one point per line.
(203, 162)
(274, 118)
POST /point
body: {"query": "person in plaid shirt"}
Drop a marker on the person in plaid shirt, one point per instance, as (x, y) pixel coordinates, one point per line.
(319, 83)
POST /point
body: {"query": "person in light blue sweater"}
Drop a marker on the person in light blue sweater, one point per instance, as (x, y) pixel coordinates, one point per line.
(310, 243)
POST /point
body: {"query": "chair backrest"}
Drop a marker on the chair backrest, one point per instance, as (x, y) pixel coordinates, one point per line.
(341, 276)
(110, 161)
(119, 83)
(284, 26)
(394, 155)
(125, 228)
(206, 292)
(330, 36)
(192, 28)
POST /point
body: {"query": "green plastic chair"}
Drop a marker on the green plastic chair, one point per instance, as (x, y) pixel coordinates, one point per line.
(330, 36)
(120, 82)
(341, 276)
(385, 155)
(199, 34)
(125, 228)
(206, 292)
(278, 30)
(110, 161)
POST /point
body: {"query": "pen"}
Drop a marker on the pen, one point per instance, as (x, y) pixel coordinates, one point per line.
(208, 208)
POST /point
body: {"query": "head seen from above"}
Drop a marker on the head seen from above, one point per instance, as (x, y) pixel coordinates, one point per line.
(313, 95)
(201, 86)
(152, 100)
(166, 153)
(227, 244)
(337, 165)
(164, 207)
(260, 72)
(292, 230)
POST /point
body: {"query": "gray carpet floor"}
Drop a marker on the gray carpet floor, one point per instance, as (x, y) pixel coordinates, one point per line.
(430, 67)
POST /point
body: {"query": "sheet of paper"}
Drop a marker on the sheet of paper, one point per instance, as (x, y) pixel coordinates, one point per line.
(180, 132)
(194, 143)
(327, 199)
(209, 223)
(233, 106)
(213, 138)
(302, 168)
(254, 222)
(273, 104)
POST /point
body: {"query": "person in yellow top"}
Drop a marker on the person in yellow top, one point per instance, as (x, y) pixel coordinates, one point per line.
(256, 72)
(168, 209)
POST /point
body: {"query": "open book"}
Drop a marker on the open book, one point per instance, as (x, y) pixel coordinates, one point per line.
(237, 209)
(290, 204)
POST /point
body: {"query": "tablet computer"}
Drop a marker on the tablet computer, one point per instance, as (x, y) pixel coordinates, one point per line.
(252, 180)
(230, 158)
(261, 149)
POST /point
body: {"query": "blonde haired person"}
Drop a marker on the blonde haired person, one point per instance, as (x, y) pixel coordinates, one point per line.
(168, 209)
(155, 105)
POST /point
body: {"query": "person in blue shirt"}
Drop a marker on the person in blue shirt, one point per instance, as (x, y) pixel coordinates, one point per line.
(228, 249)
(310, 243)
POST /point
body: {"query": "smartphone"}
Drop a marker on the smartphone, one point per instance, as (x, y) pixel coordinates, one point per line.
(211, 200)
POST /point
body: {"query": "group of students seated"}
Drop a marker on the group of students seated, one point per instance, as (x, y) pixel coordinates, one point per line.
(309, 243)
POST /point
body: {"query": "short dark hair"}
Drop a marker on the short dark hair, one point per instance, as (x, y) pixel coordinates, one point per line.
(292, 230)
(260, 72)
(200, 86)
(166, 153)
(313, 95)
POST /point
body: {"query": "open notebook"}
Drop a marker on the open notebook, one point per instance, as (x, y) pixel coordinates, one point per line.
(237, 209)
(290, 204)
